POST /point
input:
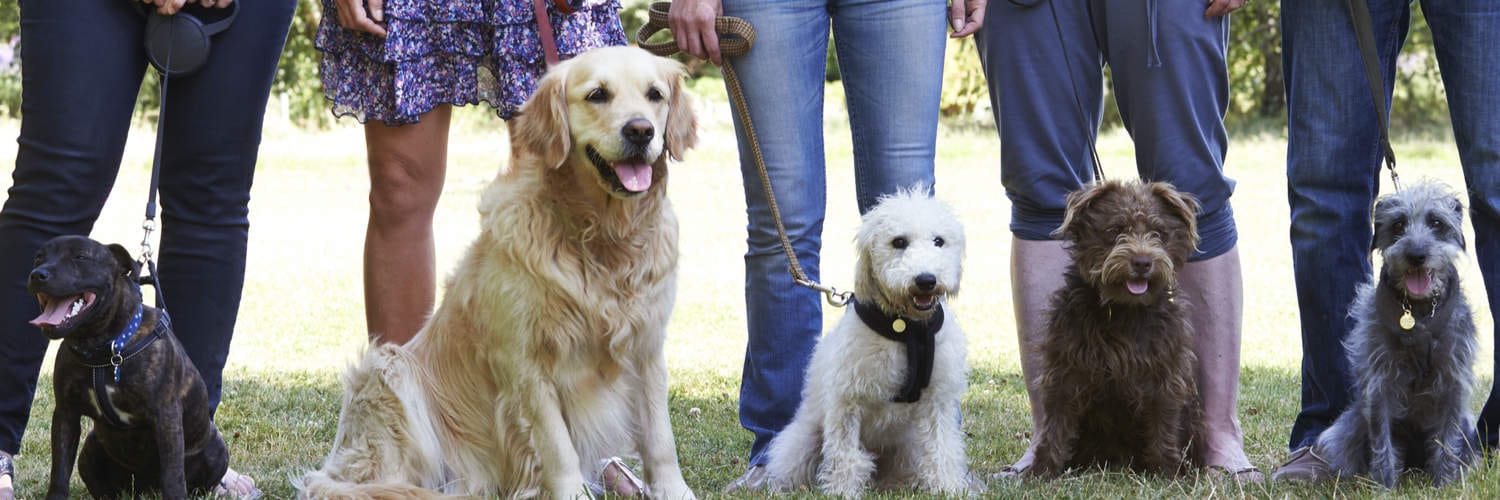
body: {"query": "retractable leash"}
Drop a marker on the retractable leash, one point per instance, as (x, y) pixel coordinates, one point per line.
(1364, 30)
(176, 45)
(736, 38)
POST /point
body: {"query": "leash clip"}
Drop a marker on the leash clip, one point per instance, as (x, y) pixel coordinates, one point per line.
(149, 226)
(833, 295)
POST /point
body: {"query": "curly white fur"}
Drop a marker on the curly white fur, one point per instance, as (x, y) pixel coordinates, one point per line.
(848, 433)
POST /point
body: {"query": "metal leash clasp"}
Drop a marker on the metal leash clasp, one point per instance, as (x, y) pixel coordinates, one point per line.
(833, 295)
(149, 226)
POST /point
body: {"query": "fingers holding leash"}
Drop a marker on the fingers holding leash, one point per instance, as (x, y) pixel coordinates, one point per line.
(1218, 8)
(352, 16)
(692, 23)
(966, 16)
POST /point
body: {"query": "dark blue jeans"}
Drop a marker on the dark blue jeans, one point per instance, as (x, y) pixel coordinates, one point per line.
(1333, 169)
(82, 65)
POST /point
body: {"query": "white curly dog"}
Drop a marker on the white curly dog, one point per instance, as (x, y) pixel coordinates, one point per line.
(882, 396)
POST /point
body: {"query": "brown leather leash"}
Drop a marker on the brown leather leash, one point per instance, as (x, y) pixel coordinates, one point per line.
(544, 27)
(736, 36)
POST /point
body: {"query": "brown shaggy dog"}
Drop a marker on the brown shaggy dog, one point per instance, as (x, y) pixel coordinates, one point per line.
(1117, 379)
(546, 353)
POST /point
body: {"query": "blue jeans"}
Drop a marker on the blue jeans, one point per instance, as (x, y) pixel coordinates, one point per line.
(891, 58)
(1334, 165)
(82, 64)
(1171, 86)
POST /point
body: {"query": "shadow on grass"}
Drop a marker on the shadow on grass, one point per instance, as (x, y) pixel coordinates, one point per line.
(280, 424)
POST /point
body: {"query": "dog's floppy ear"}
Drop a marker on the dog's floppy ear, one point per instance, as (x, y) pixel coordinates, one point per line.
(682, 123)
(127, 263)
(1181, 205)
(541, 127)
(1458, 217)
(1384, 205)
(1079, 201)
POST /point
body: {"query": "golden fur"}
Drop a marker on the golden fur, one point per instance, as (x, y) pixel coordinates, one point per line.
(546, 353)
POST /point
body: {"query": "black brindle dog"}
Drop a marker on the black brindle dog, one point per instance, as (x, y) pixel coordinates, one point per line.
(120, 366)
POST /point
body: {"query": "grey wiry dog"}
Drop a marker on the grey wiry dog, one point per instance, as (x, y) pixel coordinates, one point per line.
(1117, 376)
(120, 366)
(1412, 348)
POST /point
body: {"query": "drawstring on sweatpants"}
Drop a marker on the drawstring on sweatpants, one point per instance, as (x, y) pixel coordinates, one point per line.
(1153, 60)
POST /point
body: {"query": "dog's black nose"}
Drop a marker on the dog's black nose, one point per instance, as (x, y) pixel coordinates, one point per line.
(40, 275)
(638, 131)
(926, 282)
(1416, 259)
(1141, 265)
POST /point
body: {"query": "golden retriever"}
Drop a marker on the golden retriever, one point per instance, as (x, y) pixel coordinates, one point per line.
(545, 355)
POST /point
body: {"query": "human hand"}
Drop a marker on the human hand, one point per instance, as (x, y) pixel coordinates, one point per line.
(166, 7)
(352, 15)
(966, 16)
(692, 23)
(219, 4)
(1218, 8)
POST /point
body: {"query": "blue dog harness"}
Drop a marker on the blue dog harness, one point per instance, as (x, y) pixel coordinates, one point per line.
(120, 350)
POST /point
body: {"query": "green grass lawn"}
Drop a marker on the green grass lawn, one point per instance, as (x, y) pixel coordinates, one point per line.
(302, 319)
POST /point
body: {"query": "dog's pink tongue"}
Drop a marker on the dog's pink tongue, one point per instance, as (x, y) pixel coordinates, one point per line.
(55, 314)
(1137, 287)
(1418, 283)
(634, 176)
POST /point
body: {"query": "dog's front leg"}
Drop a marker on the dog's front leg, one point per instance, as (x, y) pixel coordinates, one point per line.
(168, 429)
(654, 439)
(1384, 459)
(1055, 436)
(561, 476)
(847, 466)
(944, 462)
(65, 429)
(1446, 450)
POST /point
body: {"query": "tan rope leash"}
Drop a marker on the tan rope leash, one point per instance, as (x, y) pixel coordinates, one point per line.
(735, 38)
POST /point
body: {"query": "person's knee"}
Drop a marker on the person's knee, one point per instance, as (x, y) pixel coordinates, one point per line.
(403, 188)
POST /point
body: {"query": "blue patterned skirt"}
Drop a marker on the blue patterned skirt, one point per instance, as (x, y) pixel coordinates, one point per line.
(454, 52)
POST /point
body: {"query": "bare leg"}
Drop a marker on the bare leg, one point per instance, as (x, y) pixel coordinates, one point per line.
(1213, 289)
(1036, 272)
(407, 166)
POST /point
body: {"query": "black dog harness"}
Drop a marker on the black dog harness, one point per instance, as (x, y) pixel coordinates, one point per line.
(119, 351)
(919, 337)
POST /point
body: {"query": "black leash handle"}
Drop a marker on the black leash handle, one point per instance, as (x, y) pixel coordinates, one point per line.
(1364, 31)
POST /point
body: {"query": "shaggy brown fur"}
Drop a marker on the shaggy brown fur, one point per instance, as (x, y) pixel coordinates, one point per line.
(1117, 379)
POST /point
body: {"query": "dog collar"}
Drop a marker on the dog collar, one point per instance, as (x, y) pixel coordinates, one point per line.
(919, 337)
(118, 344)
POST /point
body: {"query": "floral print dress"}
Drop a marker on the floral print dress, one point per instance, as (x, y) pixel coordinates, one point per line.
(456, 52)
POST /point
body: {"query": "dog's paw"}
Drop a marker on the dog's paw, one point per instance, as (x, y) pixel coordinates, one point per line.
(676, 490)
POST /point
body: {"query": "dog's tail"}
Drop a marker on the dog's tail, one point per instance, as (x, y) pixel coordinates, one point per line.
(319, 485)
(385, 446)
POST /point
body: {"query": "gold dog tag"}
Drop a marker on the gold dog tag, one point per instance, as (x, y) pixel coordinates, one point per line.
(899, 325)
(1407, 321)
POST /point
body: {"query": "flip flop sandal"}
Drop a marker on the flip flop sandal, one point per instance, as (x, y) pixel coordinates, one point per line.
(616, 479)
(8, 468)
(1245, 475)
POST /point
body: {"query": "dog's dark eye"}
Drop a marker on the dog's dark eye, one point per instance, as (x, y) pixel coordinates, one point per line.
(596, 96)
(654, 95)
(899, 242)
(1434, 223)
(939, 241)
(1398, 228)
